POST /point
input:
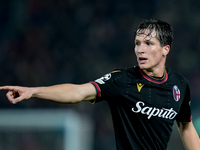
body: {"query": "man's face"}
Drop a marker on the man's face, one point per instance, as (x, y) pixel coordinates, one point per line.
(150, 55)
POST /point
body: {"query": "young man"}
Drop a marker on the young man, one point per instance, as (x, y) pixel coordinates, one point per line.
(144, 100)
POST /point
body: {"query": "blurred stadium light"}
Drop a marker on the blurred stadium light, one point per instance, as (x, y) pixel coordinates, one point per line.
(45, 130)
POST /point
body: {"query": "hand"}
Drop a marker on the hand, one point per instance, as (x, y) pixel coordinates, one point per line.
(16, 93)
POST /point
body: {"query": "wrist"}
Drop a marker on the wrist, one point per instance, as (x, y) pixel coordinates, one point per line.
(34, 91)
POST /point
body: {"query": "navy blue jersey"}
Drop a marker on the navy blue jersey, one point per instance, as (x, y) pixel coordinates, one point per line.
(144, 108)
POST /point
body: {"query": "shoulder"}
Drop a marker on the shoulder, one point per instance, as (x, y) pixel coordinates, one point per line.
(130, 71)
(119, 75)
(176, 76)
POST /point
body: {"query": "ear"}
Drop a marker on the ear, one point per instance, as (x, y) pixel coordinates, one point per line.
(166, 50)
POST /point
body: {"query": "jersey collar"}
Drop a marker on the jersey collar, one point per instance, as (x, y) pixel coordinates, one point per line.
(155, 79)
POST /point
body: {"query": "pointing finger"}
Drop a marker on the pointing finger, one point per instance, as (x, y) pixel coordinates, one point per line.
(7, 88)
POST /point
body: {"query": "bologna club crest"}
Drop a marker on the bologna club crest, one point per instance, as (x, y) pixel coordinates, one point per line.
(176, 93)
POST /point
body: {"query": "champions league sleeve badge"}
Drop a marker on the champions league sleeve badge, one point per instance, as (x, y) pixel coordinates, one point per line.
(176, 93)
(103, 79)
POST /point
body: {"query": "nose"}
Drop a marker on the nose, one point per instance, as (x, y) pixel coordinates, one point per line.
(140, 48)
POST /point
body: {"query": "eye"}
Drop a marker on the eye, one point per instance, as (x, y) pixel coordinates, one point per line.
(137, 43)
(148, 43)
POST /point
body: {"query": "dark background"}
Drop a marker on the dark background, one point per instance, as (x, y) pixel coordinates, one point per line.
(46, 42)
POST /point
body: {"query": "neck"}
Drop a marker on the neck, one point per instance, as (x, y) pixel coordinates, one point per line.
(156, 72)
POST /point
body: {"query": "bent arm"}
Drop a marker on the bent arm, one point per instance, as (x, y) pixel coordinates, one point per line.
(188, 135)
(63, 93)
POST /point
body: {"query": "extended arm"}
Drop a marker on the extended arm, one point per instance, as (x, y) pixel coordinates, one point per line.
(63, 93)
(188, 135)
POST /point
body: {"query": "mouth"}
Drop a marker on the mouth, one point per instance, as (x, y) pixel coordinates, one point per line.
(142, 60)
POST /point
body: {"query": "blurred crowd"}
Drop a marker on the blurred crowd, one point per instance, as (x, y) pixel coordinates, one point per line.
(45, 42)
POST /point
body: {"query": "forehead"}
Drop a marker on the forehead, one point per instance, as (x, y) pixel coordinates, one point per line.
(146, 34)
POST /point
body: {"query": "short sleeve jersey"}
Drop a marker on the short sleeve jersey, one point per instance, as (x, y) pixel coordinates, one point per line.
(144, 108)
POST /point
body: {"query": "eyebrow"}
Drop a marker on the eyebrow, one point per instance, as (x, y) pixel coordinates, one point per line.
(146, 38)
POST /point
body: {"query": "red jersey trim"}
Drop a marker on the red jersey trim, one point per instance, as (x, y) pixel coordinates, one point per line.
(153, 79)
(97, 89)
(186, 120)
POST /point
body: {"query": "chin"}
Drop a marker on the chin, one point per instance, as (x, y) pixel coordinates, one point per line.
(142, 66)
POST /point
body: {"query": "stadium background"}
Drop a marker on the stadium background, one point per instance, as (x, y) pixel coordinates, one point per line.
(45, 42)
